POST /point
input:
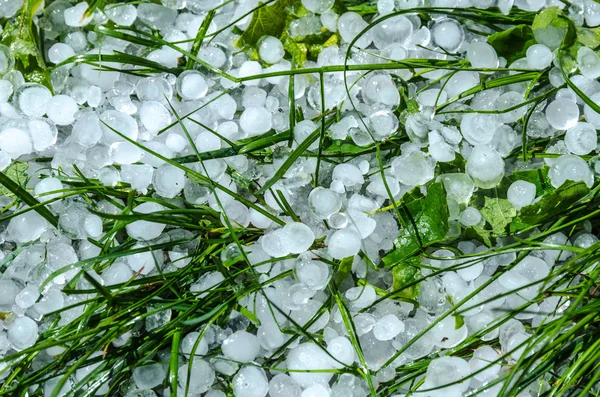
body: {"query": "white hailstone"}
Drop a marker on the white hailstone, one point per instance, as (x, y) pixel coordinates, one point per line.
(27, 227)
(539, 56)
(314, 274)
(379, 187)
(591, 116)
(145, 230)
(482, 55)
(349, 25)
(470, 217)
(581, 139)
(588, 62)
(94, 96)
(448, 34)
(125, 153)
(241, 346)
(305, 357)
(532, 268)
(324, 202)
(282, 385)
(259, 220)
(446, 335)
(342, 350)
(255, 121)
(154, 89)
(479, 129)
(22, 332)
(6, 90)
(168, 180)
(10, 292)
(397, 29)
(144, 262)
(570, 168)
(485, 166)
(148, 376)
(521, 193)
(509, 100)
(450, 374)
(15, 142)
(274, 243)
(317, 6)
(250, 381)
(270, 336)
(348, 174)
(270, 49)
(432, 97)
(92, 225)
(461, 82)
(154, 116)
(31, 99)
(206, 141)
(562, 114)
(413, 168)
(199, 374)
(27, 296)
(60, 52)
(75, 16)
(302, 130)
(344, 243)
(250, 68)
(123, 123)
(329, 20)
(387, 327)
(176, 142)
(516, 345)
(121, 14)
(360, 297)
(139, 176)
(191, 85)
(585, 240)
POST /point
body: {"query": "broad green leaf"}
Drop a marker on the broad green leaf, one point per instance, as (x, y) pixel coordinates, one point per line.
(346, 148)
(404, 275)
(512, 43)
(589, 37)
(297, 50)
(344, 269)
(17, 172)
(19, 36)
(551, 26)
(268, 20)
(498, 213)
(430, 215)
(550, 205)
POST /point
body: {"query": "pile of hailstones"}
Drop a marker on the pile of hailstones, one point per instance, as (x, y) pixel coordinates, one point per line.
(72, 128)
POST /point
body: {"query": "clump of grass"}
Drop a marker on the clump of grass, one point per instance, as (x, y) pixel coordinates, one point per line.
(563, 352)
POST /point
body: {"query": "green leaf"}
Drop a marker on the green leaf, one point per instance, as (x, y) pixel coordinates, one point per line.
(405, 276)
(346, 148)
(512, 43)
(550, 205)
(551, 26)
(430, 215)
(297, 50)
(498, 213)
(19, 36)
(589, 37)
(344, 269)
(459, 320)
(17, 172)
(268, 20)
